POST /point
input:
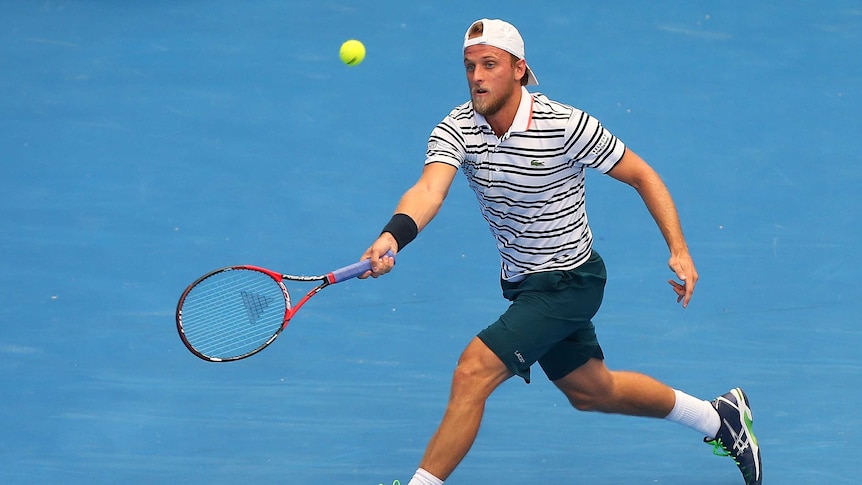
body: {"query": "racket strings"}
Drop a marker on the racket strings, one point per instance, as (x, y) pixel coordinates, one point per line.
(233, 313)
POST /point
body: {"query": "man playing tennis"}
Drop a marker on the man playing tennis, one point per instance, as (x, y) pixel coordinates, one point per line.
(524, 155)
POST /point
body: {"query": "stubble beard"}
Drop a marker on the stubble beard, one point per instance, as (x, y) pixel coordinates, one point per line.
(490, 105)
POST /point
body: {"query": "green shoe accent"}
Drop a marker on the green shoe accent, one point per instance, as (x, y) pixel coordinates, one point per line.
(717, 448)
(748, 427)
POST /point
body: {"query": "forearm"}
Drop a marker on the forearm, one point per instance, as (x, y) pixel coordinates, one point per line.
(423, 200)
(633, 171)
(414, 211)
(660, 205)
(417, 206)
(420, 204)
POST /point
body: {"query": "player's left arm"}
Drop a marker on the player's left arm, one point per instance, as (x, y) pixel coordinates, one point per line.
(634, 171)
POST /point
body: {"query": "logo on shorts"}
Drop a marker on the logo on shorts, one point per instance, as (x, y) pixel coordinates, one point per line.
(520, 357)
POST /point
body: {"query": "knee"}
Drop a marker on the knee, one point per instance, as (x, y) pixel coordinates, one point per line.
(470, 377)
(590, 387)
(598, 397)
(586, 402)
(478, 373)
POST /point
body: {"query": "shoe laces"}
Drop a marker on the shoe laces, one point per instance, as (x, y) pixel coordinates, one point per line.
(718, 449)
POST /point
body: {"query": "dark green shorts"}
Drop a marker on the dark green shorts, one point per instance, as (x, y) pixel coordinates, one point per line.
(550, 320)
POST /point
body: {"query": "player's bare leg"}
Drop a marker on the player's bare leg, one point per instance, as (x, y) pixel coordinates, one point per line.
(478, 373)
(592, 387)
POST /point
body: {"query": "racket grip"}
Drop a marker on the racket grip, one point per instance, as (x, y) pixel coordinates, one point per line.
(353, 270)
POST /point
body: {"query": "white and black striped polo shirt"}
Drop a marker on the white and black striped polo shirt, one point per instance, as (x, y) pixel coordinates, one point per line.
(530, 182)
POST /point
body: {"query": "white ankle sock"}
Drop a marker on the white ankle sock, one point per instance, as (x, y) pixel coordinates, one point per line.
(695, 413)
(422, 477)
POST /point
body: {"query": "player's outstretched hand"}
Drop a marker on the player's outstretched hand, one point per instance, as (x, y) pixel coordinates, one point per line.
(683, 266)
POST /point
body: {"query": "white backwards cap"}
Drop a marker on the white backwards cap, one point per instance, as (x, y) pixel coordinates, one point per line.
(503, 35)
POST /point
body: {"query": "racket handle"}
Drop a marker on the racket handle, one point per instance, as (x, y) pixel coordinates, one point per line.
(353, 270)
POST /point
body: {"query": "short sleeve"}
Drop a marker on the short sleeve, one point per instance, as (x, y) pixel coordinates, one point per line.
(446, 144)
(592, 144)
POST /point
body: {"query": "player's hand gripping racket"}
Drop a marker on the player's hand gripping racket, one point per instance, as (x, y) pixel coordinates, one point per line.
(237, 311)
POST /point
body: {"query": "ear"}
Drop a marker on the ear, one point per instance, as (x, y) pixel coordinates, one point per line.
(520, 70)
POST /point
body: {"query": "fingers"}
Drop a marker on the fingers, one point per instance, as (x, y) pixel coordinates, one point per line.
(683, 267)
(689, 291)
(381, 263)
(683, 292)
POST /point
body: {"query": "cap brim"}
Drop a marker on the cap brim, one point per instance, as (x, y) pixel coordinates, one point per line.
(531, 78)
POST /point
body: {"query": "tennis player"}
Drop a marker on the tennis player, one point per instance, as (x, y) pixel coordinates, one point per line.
(524, 156)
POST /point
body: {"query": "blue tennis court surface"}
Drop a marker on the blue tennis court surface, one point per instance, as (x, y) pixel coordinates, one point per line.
(145, 143)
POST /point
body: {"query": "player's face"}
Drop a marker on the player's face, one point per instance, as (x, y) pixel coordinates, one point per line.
(492, 76)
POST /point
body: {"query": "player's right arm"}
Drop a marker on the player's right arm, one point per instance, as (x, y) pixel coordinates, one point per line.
(421, 203)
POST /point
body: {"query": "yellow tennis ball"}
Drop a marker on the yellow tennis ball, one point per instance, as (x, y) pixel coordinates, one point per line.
(352, 52)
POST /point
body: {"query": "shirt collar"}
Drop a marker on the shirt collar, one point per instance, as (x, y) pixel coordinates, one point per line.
(523, 117)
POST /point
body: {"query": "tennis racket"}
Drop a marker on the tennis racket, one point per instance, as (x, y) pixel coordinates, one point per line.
(236, 311)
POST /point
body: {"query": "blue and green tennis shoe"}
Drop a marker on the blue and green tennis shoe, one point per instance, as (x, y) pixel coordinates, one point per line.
(735, 437)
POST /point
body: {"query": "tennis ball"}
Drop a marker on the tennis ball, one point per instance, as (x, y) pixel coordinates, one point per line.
(352, 52)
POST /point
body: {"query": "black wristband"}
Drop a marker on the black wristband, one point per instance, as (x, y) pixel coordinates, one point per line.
(403, 228)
